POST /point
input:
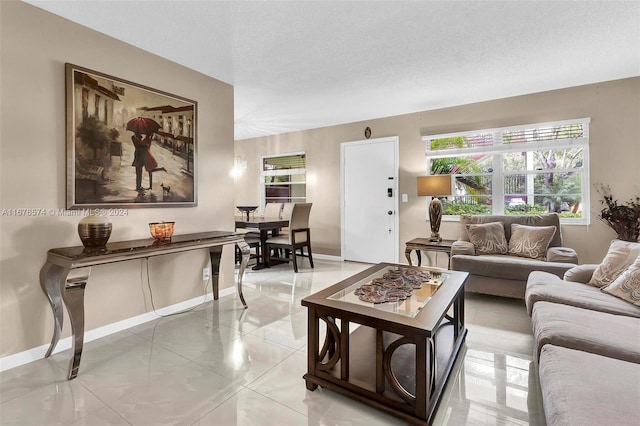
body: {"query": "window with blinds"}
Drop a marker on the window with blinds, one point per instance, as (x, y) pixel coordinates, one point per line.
(283, 178)
(528, 169)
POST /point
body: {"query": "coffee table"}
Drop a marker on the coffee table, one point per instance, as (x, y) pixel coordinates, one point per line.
(395, 356)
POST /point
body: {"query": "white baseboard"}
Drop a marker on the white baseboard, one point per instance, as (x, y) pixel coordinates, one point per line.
(327, 257)
(30, 355)
(34, 354)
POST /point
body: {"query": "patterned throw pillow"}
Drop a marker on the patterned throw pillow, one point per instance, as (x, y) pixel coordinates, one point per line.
(530, 241)
(620, 256)
(488, 238)
(627, 285)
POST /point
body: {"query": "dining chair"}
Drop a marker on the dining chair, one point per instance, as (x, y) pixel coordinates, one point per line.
(298, 237)
(272, 210)
(287, 208)
(253, 240)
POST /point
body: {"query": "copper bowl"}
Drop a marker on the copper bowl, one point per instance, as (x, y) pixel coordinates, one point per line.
(161, 230)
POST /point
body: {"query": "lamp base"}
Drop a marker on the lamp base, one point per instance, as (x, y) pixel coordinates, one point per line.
(435, 217)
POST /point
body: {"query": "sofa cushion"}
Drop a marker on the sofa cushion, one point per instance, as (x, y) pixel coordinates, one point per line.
(627, 285)
(495, 286)
(505, 266)
(551, 219)
(620, 256)
(530, 241)
(488, 238)
(615, 336)
(580, 388)
(542, 286)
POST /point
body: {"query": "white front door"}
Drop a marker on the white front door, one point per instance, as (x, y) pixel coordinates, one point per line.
(369, 176)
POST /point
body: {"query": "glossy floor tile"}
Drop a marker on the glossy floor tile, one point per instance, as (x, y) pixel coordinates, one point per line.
(220, 364)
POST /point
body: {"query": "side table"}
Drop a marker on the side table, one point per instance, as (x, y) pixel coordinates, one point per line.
(424, 244)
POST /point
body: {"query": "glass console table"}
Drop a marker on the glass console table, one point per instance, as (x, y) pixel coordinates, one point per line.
(395, 356)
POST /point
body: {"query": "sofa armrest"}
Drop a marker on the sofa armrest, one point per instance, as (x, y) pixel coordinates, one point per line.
(562, 254)
(581, 273)
(463, 247)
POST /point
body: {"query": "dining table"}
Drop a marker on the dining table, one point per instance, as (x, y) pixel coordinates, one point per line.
(264, 225)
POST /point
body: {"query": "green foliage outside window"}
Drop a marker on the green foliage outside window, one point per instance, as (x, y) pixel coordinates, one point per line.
(458, 209)
(525, 209)
(458, 165)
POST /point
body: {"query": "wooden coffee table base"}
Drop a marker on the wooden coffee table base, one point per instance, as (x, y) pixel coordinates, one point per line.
(398, 369)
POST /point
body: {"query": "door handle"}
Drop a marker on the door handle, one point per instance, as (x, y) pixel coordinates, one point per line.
(390, 212)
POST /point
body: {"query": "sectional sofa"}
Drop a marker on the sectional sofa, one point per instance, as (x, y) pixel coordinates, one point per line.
(587, 347)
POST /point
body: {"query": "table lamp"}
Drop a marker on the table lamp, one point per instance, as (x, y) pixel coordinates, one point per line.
(434, 186)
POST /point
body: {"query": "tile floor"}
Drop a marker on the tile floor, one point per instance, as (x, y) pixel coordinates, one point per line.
(222, 365)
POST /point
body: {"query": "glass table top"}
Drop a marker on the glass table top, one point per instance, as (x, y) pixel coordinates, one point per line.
(394, 282)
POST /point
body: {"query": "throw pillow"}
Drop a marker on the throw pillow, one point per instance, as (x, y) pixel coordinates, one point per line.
(627, 285)
(620, 256)
(488, 238)
(530, 241)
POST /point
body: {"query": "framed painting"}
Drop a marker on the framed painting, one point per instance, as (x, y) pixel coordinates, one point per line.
(128, 145)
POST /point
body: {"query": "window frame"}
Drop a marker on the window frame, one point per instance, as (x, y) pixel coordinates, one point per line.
(497, 148)
(281, 172)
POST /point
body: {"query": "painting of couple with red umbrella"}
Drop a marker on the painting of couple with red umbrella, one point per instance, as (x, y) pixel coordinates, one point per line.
(128, 145)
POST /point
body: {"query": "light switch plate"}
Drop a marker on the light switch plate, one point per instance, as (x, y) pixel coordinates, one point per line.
(405, 198)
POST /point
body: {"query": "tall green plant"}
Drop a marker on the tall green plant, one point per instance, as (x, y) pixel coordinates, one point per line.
(458, 165)
(560, 191)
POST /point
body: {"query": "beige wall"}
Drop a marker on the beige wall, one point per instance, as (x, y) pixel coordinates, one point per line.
(614, 108)
(35, 46)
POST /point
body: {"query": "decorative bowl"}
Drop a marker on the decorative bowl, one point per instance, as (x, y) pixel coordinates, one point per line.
(161, 230)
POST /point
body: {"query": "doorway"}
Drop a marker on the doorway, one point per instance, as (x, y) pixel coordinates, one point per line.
(369, 186)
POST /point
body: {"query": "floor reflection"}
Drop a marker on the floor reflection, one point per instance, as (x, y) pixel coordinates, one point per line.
(224, 365)
(492, 388)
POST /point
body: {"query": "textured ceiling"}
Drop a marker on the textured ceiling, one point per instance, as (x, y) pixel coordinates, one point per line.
(307, 64)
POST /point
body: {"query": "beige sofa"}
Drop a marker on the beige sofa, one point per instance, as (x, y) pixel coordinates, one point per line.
(506, 274)
(587, 345)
